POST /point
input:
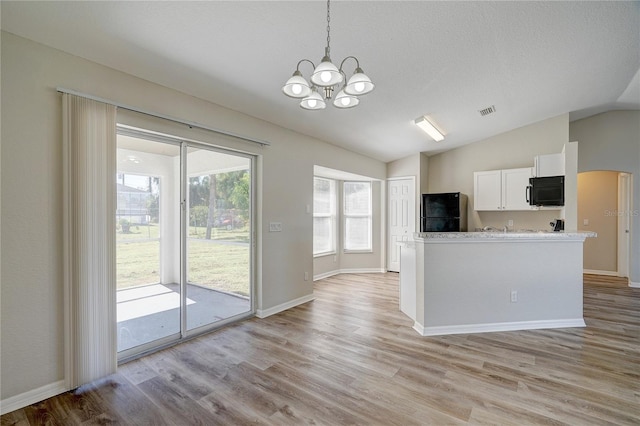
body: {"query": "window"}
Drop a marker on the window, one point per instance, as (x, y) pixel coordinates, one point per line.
(324, 216)
(357, 216)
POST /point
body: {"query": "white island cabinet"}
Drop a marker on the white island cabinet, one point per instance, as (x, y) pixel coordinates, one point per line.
(408, 278)
(470, 282)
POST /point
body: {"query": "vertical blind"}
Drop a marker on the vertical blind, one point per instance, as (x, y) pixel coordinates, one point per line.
(89, 151)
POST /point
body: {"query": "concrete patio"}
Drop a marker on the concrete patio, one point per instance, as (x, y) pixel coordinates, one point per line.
(151, 312)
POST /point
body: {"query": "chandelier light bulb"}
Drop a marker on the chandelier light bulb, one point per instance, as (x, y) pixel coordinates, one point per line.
(313, 101)
(359, 86)
(296, 89)
(325, 76)
(344, 100)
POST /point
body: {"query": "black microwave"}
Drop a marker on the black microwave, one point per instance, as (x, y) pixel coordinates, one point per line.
(546, 191)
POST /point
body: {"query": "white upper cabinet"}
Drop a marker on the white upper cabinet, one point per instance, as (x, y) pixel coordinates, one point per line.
(548, 165)
(514, 189)
(487, 190)
(495, 190)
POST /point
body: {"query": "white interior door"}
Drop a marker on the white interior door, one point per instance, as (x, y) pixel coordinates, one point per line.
(402, 218)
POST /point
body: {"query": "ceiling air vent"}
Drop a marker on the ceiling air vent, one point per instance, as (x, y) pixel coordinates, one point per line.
(487, 110)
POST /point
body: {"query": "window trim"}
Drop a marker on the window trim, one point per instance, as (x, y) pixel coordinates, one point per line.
(332, 215)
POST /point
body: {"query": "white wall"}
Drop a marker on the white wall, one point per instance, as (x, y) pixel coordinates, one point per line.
(452, 171)
(32, 282)
(611, 141)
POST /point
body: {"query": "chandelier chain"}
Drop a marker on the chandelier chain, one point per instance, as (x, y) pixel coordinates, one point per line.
(328, 28)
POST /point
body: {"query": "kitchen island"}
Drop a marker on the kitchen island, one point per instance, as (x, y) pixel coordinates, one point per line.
(469, 282)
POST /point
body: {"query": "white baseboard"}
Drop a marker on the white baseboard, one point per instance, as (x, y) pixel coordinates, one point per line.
(634, 285)
(348, 271)
(31, 397)
(260, 313)
(363, 271)
(499, 326)
(597, 272)
(325, 275)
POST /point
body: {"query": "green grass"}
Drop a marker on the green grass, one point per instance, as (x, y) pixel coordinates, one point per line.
(218, 266)
(222, 267)
(137, 263)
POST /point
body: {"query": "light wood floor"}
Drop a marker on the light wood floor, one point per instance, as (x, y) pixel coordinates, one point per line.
(350, 357)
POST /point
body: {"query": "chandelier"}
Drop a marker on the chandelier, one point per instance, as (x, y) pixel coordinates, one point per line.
(326, 79)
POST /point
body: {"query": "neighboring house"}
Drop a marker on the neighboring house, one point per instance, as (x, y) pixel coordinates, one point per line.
(133, 205)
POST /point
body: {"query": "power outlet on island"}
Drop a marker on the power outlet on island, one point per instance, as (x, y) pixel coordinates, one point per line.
(514, 296)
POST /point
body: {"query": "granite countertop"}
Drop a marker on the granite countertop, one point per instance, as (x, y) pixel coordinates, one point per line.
(510, 235)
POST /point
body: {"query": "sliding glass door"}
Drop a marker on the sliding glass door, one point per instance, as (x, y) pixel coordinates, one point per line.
(147, 228)
(219, 236)
(184, 229)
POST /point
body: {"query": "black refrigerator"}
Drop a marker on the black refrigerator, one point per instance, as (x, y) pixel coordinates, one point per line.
(446, 212)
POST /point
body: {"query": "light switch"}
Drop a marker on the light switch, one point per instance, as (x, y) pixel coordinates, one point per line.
(275, 226)
(585, 222)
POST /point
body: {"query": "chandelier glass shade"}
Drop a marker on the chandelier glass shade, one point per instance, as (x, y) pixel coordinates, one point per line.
(297, 86)
(313, 101)
(345, 100)
(359, 84)
(326, 74)
(328, 77)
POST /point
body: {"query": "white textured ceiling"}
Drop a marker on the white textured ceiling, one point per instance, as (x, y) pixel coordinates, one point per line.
(447, 60)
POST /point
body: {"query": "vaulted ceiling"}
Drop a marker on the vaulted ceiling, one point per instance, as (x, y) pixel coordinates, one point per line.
(447, 60)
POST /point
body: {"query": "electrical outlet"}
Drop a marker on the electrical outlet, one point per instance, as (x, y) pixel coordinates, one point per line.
(514, 296)
(585, 222)
(306, 276)
(510, 222)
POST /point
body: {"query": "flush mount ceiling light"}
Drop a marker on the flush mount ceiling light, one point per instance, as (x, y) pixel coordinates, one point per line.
(328, 77)
(429, 128)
